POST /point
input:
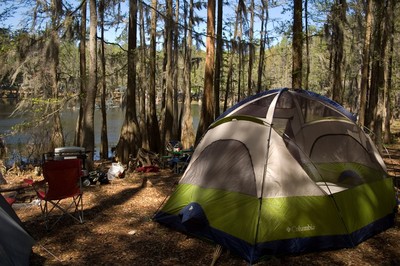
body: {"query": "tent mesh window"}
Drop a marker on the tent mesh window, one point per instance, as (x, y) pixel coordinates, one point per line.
(313, 110)
(257, 108)
(352, 163)
(333, 156)
(283, 115)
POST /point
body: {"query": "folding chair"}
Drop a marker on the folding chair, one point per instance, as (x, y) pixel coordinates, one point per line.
(62, 180)
(183, 162)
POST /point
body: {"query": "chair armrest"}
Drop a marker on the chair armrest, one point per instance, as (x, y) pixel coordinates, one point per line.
(35, 184)
(39, 187)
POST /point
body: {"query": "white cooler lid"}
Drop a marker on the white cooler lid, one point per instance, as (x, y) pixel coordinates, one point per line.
(71, 149)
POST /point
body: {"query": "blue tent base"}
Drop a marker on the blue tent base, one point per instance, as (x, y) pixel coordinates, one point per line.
(254, 253)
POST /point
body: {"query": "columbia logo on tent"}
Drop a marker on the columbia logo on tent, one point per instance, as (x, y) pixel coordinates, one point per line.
(298, 228)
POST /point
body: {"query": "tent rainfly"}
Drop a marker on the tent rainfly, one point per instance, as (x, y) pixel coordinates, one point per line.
(283, 172)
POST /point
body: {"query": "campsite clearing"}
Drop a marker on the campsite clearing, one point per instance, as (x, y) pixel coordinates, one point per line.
(118, 230)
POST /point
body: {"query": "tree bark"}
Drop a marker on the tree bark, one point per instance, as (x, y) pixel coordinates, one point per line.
(169, 108)
(130, 140)
(339, 18)
(207, 107)
(218, 58)
(104, 137)
(82, 73)
(234, 50)
(187, 134)
(175, 73)
(388, 90)
(376, 96)
(143, 82)
(240, 50)
(365, 66)
(228, 86)
(88, 114)
(251, 51)
(263, 39)
(154, 130)
(306, 81)
(57, 136)
(297, 64)
(164, 89)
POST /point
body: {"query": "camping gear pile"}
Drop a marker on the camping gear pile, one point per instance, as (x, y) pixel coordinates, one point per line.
(284, 171)
(94, 177)
(177, 158)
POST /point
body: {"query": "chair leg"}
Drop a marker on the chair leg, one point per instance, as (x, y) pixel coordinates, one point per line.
(46, 210)
(77, 213)
(43, 208)
(78, 200)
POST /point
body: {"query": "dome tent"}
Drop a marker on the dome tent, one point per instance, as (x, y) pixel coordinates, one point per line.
(15, 243)
(284, 171)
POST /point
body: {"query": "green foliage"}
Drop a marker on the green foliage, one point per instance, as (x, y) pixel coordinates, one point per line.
(7, 47)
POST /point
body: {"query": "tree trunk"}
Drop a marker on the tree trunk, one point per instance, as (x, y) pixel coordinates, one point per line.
(251, 51)
(365, 66)
(263, 38)
(241, 64)
(143, 82)
(169, 108)
(82, 72)
(175, 73)
(88, 114)
(207, 107)
(234, 50)
(376, 96)
(187, 134)
(239, 28)
(388, 91)
(218, 58)
(164, 88)
(297, 64)
(339, 17)
(129, 140)
(57, 137)
(306, 81)
(228, 86)
(154, 130)
(104, 137)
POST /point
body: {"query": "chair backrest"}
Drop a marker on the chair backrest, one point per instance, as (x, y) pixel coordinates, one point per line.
(63, 178)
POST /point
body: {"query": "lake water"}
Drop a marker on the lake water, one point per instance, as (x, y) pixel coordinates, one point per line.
(115, 118)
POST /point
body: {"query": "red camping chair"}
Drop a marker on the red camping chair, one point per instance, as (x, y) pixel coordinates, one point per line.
(62, 180)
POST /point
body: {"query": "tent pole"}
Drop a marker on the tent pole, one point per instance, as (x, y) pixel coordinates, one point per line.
(269, 117)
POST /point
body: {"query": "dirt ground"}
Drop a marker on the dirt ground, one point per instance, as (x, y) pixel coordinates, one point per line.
(118, 230)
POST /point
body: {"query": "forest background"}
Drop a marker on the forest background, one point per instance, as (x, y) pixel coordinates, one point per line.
(168, 54)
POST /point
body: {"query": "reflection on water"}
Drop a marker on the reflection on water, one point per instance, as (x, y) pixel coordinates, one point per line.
(7, 122)
(115, 117)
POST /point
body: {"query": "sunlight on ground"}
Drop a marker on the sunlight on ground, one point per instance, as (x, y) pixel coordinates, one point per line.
(395, 130)
(395, 126)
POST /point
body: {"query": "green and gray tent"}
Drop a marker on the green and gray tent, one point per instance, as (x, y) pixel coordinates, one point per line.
(15, 243)
(285, 171)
